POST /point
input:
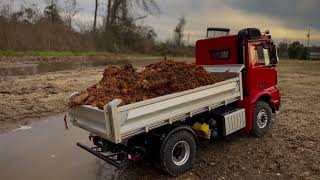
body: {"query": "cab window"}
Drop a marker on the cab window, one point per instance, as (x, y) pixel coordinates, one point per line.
(259, 55)
(220, 54)
(263, 56)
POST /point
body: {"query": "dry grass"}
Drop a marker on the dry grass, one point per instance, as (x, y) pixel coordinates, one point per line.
(42, 36)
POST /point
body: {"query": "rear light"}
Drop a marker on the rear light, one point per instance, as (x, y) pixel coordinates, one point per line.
(134, 157)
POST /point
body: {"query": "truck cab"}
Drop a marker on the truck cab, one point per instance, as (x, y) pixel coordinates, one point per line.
(258, 54)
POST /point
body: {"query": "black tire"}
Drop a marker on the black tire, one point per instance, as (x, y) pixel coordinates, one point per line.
(168, 159)
(261, 120)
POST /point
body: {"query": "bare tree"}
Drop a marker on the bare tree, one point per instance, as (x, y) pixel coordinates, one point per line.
(51, 11)
(71, 9)
(149, 6)
(95, 16)
(32, 12)
(128, 10)
(6, 8)
(29, 13)
(178, 31)
(114, 11)
(109, 5)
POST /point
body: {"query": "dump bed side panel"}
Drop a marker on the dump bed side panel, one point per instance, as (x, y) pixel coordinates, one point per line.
(118, 123)
(145, 118)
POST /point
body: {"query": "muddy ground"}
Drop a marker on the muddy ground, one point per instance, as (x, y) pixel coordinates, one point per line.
(290, 151)
(35, 96)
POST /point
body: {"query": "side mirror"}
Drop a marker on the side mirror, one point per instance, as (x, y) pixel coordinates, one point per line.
(273, 54)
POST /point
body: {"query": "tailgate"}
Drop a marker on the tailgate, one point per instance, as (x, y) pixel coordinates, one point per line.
(95, 120)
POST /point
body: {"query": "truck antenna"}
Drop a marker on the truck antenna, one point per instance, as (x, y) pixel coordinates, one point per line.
(308, 45)
(188, 38)
(308, 36)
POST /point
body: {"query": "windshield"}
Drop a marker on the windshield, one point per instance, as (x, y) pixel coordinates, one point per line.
(216, 33)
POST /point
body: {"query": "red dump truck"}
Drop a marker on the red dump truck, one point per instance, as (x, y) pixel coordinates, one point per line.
(168, 128)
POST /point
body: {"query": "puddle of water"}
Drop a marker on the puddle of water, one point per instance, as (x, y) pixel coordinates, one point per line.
(11, 71)
(22, 128)
(48, 151)
(8, 72)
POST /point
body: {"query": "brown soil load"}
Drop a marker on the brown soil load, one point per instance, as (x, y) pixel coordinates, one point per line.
(155, 80)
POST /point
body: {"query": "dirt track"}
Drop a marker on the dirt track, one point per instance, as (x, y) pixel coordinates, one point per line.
(291, 150)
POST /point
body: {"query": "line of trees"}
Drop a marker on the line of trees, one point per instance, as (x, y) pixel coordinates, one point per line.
(119, 30)
(33, 28)
(176, 46)
(295, 50)
(54, 27)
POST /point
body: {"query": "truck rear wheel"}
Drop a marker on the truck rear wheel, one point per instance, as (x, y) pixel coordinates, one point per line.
(177, 153)
(261, 118)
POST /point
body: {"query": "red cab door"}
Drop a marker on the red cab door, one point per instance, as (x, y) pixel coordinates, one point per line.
(262, 75)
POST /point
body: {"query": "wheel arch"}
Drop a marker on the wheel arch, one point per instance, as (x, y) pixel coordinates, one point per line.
(265, 97)
(175, 129)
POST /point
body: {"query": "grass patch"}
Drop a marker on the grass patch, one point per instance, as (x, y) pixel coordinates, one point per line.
(15, 53)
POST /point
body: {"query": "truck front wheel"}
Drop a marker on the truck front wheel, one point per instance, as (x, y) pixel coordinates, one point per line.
(177, 153)
(261, 118)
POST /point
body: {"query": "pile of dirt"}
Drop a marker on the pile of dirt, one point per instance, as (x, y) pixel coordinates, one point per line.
(155, 80)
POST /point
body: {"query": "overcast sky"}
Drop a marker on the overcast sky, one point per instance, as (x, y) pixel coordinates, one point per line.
(287, 20)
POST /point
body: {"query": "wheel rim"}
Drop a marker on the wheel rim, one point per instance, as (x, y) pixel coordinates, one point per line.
(262, 119)
(180, 153)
